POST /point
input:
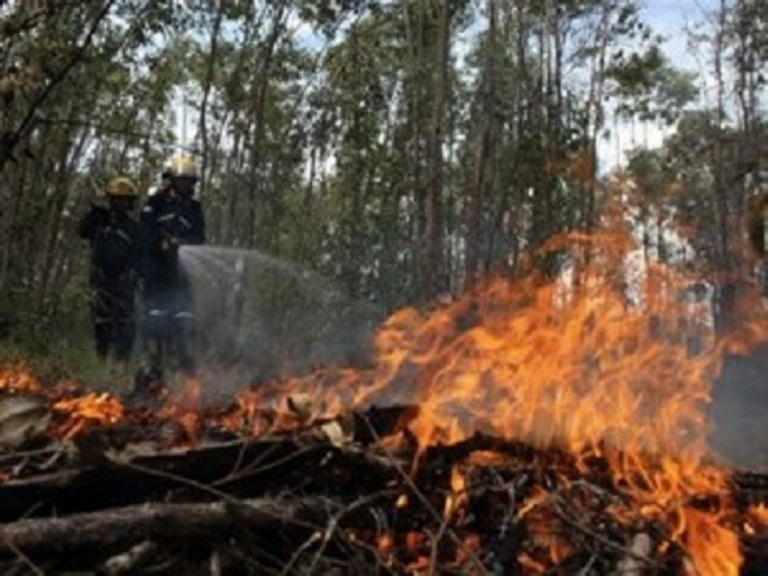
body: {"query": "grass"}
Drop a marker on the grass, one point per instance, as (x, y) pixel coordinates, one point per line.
(71, 358)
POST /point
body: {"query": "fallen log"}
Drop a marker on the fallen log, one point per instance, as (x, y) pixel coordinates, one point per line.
(322, 480)
(126, 526)
(181, 535)
(236, 468)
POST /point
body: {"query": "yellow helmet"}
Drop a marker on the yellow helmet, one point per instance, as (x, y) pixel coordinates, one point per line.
(182, 165)
(122, 186)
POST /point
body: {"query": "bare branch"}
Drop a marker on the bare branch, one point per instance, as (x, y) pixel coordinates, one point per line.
(9, 143)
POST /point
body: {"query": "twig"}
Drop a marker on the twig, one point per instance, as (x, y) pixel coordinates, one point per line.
(599, 490)
(380, 562)
(99, 128)
(599, 537)
(254, 469)
(327, 533)
(215, 563)
(314, 537)
(435, 543)
(227, 498)
(425, 502)
(336, 518)
(257, 567)
(14, 456)
(241, 457)
(641, 546)
(592, 559)
(127, 561)
(23, 558)
(6, 151)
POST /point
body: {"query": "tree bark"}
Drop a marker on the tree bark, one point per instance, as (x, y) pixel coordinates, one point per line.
(209, 79)
(485, 153)
(161, 521)
(433, 266)
(278, 26)
(725, 318)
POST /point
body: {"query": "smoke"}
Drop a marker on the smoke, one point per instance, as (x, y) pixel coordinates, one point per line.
(261, 318)
(739, 410)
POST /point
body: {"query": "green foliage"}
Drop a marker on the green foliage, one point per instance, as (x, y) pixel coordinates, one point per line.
(315, 123)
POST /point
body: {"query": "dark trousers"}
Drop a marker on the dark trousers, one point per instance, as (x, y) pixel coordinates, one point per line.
(169, 325)
(114, 320)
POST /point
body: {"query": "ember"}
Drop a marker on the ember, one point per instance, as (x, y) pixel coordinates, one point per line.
(528, 427)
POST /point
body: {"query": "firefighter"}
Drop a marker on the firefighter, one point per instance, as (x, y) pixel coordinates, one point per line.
(112, 232)
(169, 219)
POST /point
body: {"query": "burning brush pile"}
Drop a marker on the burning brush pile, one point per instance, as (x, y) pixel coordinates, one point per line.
(529, 427)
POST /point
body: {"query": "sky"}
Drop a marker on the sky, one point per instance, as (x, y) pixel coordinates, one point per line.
(672, 19)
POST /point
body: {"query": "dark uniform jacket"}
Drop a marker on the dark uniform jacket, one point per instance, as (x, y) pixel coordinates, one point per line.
(114, 240)
(165, 224)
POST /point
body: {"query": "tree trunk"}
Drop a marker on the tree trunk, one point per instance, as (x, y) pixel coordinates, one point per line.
(259, 114)
(723, 262)
(209, 79)
(433, 281)
(485, 153)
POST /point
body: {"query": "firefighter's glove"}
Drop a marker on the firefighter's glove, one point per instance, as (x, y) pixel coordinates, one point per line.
(99, 210)
(170, 244)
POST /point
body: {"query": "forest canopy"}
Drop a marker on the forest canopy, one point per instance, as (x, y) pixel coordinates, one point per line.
(401, 148)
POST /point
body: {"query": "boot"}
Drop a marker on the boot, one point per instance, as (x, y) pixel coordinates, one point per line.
(148, 387)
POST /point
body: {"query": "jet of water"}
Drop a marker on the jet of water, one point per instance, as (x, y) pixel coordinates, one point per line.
(268, 316)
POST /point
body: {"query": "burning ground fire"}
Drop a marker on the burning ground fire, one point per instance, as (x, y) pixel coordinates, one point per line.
(595, 380)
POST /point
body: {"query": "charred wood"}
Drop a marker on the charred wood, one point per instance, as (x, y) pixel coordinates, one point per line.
(128, 526)
(507, 514)
(237, 469)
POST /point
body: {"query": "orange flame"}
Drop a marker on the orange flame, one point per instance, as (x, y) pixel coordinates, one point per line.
(18, 379)
(596, 361)
(184, 408)
(80, 410)
(714, 548)
(757, 518)
(90, 409)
